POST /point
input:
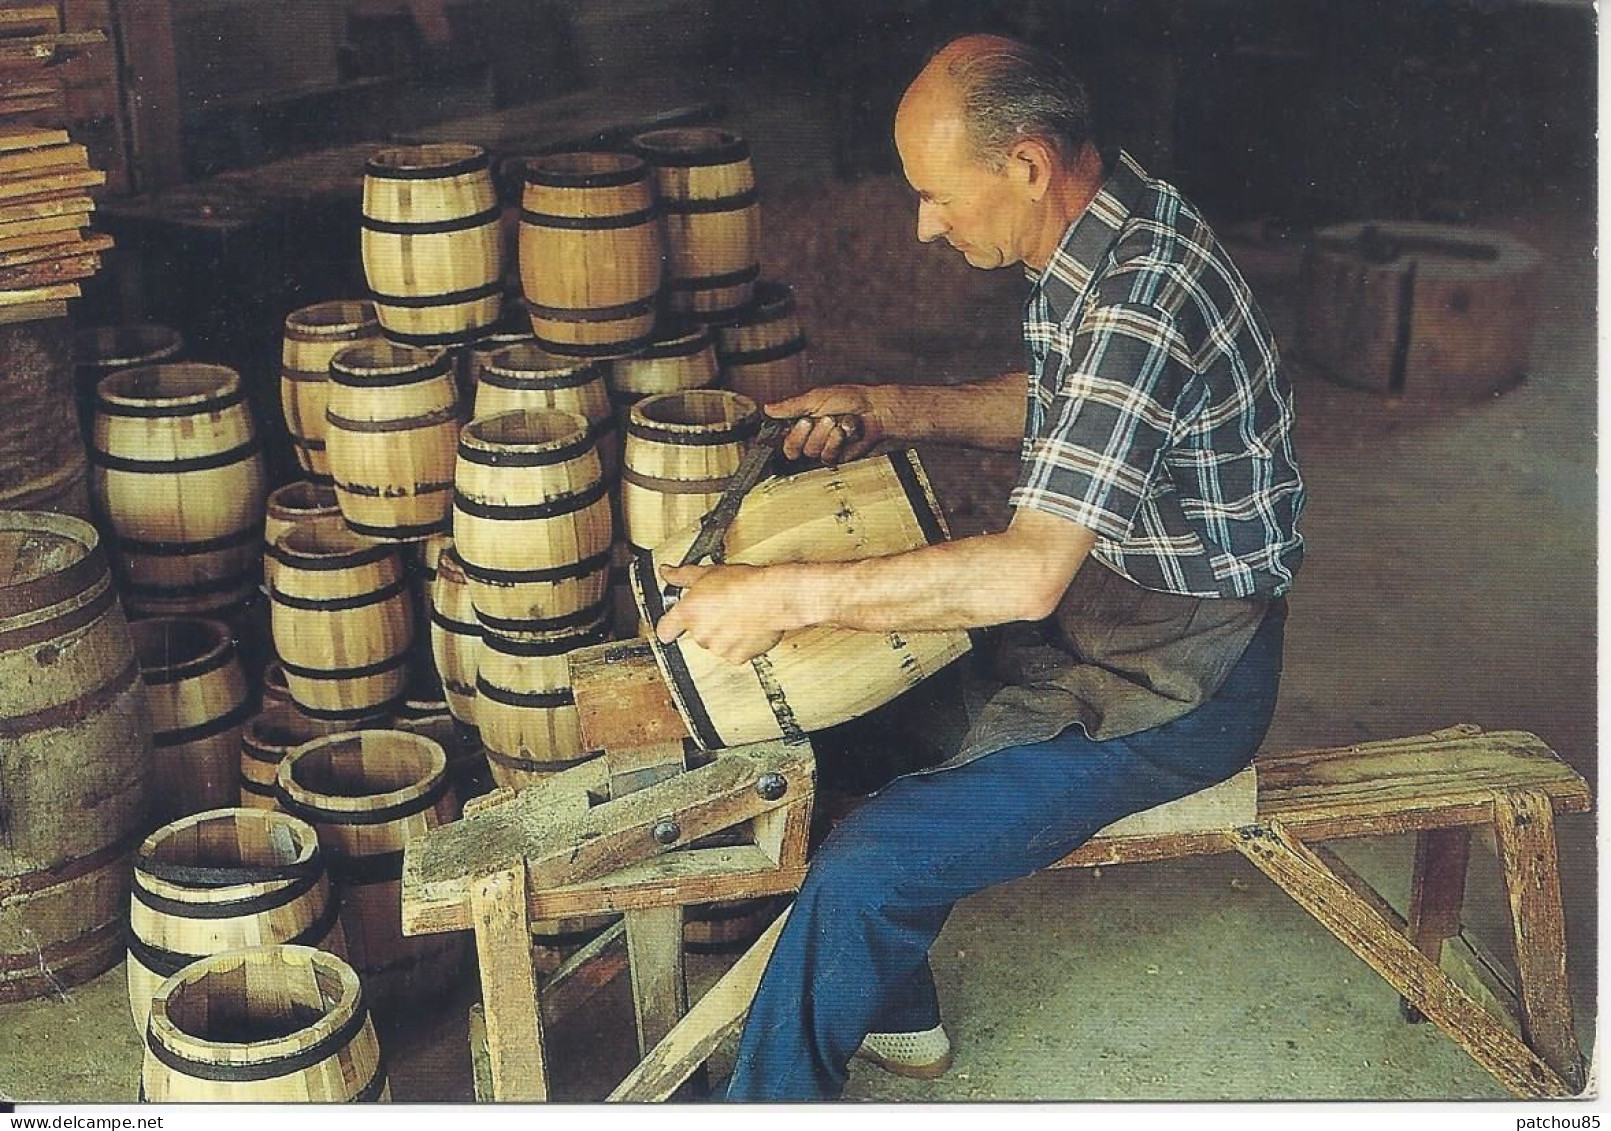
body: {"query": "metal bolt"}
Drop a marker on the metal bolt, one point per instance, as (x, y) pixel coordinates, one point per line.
(772, 786)
(666, 832)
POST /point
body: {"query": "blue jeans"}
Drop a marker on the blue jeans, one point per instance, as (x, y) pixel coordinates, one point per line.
(853, 956)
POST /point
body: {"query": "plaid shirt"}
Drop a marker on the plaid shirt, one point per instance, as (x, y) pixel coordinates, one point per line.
(1158, 414)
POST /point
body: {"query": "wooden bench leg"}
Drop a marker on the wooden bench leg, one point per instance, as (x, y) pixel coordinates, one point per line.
(659, 981)
(1437, 893)
(1303, 875)
(517, 1060)
(1524, 829)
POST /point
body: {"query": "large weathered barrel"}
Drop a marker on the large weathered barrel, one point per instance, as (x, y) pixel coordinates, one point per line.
(681, 356)
(711, 216)
(590, 252)
(177, 475)
(342, 623)
(224, 879)
(274, 732)
(532, 521)
(41, 451)
(681, 449)
(314, 335)
(393, 422)
(528, 376)
(368, 794)
(761, 348)
(455, 636)
(75, 756)
(432, 249)
(524, 706)
(199, 702)
(265, 1024)
(815, 677)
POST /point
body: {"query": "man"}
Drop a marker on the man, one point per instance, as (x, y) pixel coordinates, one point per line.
(1154, 519)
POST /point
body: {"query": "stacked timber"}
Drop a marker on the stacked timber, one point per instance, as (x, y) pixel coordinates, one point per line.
(46, 250)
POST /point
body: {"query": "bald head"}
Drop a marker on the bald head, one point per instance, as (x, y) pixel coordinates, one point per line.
(999, 91)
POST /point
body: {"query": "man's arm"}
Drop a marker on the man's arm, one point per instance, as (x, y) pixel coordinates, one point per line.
(738, 612)
(980, 414)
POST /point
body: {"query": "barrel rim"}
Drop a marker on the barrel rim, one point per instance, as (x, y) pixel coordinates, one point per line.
(641, 424)
(36, 594)
(216, 641)
(430, 160)
(337, 805)
(417, 363)
(272, 715)
(677, 340)
(771, 301)
(306, 842)
(99, 347)
(238, 1054)
(281, 505)
(691, 146)
(526, 364)
(224, 390)
(340, 319)
(586, 169)
(574, 440)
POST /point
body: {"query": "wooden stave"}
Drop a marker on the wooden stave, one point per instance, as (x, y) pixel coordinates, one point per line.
(176, 919)
(726, 704)
(366, 854)
(394, 408)
(673, 473)
(199, 703)
(312, 336)
(543, 461)
(176, 1064)
(616, 270)
(64, 882)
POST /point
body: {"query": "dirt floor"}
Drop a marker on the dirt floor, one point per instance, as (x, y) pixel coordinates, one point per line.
(1450, 578)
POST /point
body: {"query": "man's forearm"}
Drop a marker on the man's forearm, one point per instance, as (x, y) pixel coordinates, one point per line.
(980, 414)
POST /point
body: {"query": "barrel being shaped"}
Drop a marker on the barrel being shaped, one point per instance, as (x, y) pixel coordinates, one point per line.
(75, 756)
(266, 1024)
(815, 677)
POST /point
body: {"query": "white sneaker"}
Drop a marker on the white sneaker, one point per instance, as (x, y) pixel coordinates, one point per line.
(921, 1056)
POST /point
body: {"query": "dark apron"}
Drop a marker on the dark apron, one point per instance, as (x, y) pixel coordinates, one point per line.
(1115, 659)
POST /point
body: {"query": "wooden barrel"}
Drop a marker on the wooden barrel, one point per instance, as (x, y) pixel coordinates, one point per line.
(728, 927)
(265, 1024)
(590, 252)
(224, 879)
(99, 350)
(815, 677)
(532, 521)
(431, 245)
(455, 636)
(474, 357)
(711, 216)
(393, 422)
(342, 623)
(268, 736)
(274, 689)
(524, 706)
(177, 476)
(304, 503)
(314, 335)
(368, 794)
(199, 702)
(681, 356)
(75, 756)
(681, 448)
(762, 349)
(528, 376)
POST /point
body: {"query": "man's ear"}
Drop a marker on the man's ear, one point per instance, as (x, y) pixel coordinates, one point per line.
(1030, 162)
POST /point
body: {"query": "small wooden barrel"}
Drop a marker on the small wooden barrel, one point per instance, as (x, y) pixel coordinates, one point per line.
(712, 217)
(681, 356)
(393, 423)
(474, 357)
(455, 636)
(525, 376)
(815, 677)
(342, 623)
(177, 475)
(99, 350)
(220, 880)
(296, 504)
(590, 252)
(532, 521)
(266, 1024)
(762, 349)
(271, 734)
(681, 448)
(75, 756)
(199, 702)
(314, 335)
(368, 794)
(274, 689)
(432, 250)
(524, 706)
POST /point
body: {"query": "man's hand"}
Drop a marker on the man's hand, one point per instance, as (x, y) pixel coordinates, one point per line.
(821, 436)
(723, 609)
